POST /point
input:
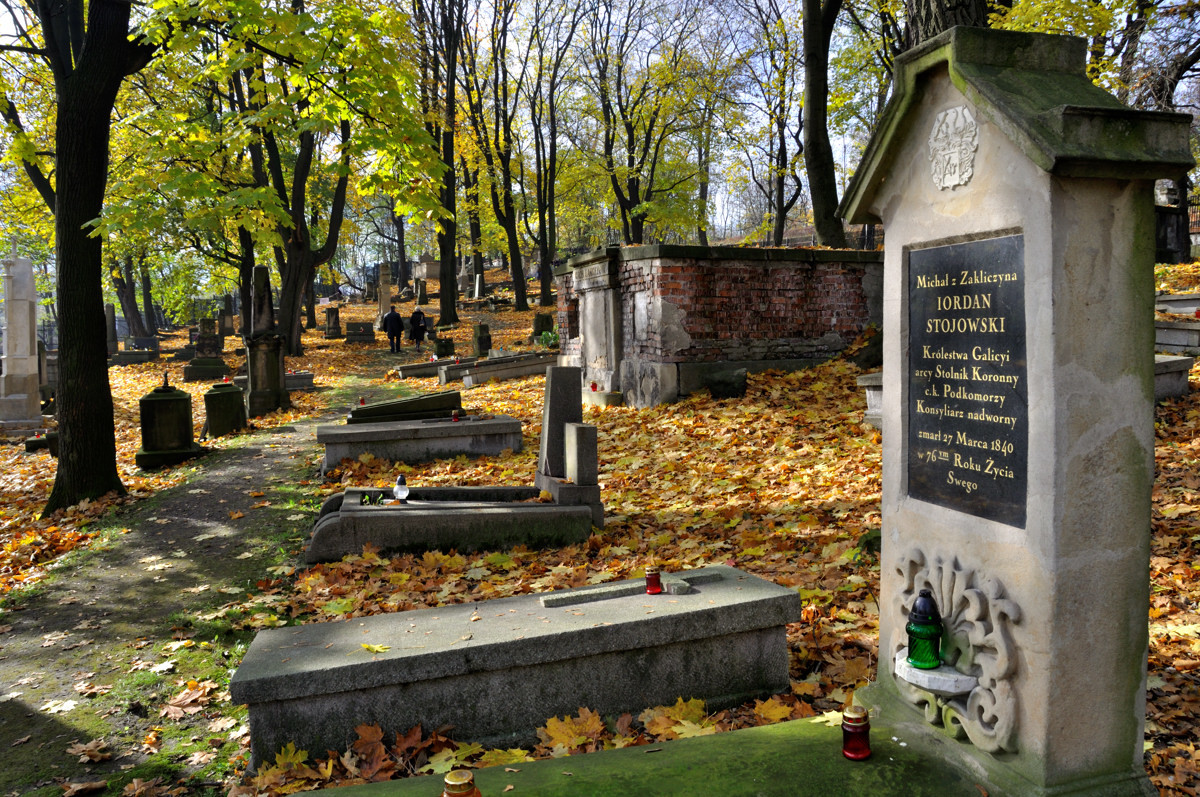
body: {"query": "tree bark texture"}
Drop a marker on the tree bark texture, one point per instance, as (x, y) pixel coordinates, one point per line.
(928, 18)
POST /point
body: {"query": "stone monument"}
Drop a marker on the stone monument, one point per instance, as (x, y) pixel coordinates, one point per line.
(333, 322)
(20, 401)
(266, 385)
(206, 362)
(384, 294)
(1018, 389)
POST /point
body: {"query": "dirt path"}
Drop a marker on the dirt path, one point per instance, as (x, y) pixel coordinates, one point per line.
(106, 618)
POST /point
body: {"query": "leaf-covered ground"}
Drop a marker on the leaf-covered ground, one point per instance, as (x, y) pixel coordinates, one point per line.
(784, 484)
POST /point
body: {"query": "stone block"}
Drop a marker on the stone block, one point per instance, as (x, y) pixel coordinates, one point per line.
(497, 670)
(1171, 375)
(1177, 337)
(579, 451)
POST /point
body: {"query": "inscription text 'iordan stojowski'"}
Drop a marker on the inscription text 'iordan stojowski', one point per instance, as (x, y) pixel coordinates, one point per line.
(968, 426)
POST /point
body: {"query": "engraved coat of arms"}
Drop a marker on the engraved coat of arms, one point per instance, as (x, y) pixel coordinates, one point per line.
(952, 145)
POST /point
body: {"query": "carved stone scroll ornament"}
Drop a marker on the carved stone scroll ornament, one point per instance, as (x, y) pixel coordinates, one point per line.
(952, 145)
(977, 616)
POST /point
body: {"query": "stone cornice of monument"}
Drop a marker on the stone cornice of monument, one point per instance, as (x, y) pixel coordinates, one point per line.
(1067, 126)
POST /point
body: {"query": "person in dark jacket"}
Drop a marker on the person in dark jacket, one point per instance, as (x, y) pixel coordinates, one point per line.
(416, 323)
(393, 325)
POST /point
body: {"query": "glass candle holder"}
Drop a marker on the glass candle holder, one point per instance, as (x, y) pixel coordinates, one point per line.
(924, 630)
(856, 733)
(653, 581)
(460, 783)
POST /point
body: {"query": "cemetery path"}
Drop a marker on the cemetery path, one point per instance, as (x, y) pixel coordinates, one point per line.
(85, 658)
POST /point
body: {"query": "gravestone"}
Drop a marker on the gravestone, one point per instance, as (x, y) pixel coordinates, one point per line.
(563, 404)
(20, 401)
(110, 328)
(1018, 389)
(265, 380)
(542, 322)
(384, 294)
(206, 363)
(225, 317)
(360, 332)
(567, 453)
(483, 340)
(166, 420)
(333, 322)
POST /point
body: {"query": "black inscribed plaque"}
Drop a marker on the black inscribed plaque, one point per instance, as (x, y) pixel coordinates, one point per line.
(968, 419)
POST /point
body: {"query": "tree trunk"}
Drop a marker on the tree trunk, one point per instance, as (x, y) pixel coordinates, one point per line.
(148, 302)
(818, 153)
(245, 277)
(126, 288)
(928, 18)
(310, 300)
(87, 448)
(401, 250)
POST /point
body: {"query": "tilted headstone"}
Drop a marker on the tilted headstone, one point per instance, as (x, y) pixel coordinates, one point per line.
(1018, 389)
(20, 400)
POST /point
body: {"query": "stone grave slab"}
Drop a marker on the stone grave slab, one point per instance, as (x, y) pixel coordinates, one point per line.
(360, 332)
(446, 518)
(420, 441)
(431, 368)
(412, 408)
(496, 670)
(510, 366)
(501, 372)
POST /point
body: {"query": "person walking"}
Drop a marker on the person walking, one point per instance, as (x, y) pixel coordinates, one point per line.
(416, 326)
(393, 325)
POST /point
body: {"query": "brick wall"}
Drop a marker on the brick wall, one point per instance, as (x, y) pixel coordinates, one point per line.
(733, 304)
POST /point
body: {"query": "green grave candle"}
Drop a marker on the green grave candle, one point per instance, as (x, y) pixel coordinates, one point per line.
(924, 633)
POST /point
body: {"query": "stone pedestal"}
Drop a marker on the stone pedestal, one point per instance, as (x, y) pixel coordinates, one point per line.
(20, 401)
(1018, 390)
(266, 380)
